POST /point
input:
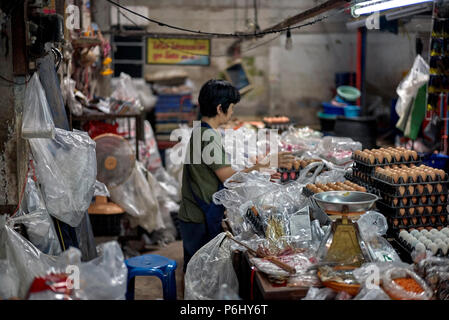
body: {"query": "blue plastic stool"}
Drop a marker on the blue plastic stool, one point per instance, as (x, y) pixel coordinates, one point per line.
(152, 265)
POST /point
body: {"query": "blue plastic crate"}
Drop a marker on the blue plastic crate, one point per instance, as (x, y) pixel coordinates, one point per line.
(331, 109)
(438, 161)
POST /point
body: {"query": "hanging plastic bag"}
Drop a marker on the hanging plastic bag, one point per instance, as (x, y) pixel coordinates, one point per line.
(37, 120)
(66, 168)
(210, 268)
(137, 198)
(409, 86)
(68, 89)
(38, 223)
(101, 189)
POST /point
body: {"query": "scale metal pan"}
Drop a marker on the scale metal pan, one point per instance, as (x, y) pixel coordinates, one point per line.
(345, 202)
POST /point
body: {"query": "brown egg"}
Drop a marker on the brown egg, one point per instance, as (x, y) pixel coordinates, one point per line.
(319, 190)
(414, 155)
(412, 165)
(429, 209)
(296, 164)
(441, 174)
(429, 188)
(405, 221)
(443, 219)
(395, 177)
(401, 190)
(411, 189)
(423, 220)
(397, 156)
(433, 219)
(423, 175)
(442, 198)
(423, 199)
(371, 159)
(396, 222)
(420, 210)
(433, 199)
(415, 220)
(404, 201)
(411, 211)
(380, 157)
(407, 155)
(439, 209)
(414, 200)
(402, 212)
(357, 154)
(362, 189)
(420, 188)
(439, 188)
(414, 175)
(395, 201)
(387, 157)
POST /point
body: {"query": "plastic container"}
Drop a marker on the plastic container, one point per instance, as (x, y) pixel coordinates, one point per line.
(329, 108)
(327, 121)
(348, 93)
(438, 161)
(352, 111)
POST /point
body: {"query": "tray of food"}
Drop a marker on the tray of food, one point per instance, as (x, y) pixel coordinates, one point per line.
(417, 222)
(432, 239)
(293, 170)
(311, 189)
(410, 212)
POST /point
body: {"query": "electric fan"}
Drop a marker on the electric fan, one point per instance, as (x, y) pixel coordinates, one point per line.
(115, 163)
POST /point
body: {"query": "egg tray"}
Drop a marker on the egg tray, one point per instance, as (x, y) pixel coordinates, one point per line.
(401, 189)
(408, 249)
(306, 192)
(288, 175)
(418, 223)
(397, 202)
(385, 162)
(405, 212)
(360, 182)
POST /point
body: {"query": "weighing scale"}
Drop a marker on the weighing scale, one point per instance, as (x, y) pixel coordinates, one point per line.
(343, 243)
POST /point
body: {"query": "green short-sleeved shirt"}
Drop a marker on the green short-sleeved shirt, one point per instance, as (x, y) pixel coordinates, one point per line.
(204, 181)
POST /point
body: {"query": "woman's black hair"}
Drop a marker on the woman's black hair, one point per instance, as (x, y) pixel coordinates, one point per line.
(215, 92)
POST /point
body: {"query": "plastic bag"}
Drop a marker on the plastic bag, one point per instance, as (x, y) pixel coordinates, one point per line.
(37, 120)
(102, 278)
(399, 293)
(68, 88)
(210, 268)
(101, 189)
(320, 294)
(435, 271)
(66, 168)
(126, 91)
(409, 86)
(375, 293)
(137, 198)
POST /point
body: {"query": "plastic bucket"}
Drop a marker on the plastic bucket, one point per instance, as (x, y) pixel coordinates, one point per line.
(352, 111)
(348, 93)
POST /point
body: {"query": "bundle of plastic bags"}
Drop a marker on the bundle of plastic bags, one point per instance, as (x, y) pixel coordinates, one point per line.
(210, 268)
(66, 168)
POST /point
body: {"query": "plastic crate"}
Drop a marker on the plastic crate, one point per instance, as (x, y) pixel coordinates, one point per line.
(329, 108)
(174, 103)
(438, 161)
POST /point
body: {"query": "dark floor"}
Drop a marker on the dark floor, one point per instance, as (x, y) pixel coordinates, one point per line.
(150, 288)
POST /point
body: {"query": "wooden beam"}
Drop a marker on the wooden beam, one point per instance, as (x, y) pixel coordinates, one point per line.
(310, 13)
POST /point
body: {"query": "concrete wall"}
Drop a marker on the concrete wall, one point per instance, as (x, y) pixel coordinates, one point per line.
(286, 82)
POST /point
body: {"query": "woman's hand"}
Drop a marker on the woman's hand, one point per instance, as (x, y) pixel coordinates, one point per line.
(278, 160)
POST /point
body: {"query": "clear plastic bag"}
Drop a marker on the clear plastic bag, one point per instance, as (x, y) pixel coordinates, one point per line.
(37, 120)
(101, 189)
(374, 293)
(399, 293)
(137, 198)
(66, 168)
(338, 150)
(408, 87)
(320, 294)
(210, 268)
(68, 88)
(126, 91)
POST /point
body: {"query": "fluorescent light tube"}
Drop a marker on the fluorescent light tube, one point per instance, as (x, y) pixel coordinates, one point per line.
(374, 6)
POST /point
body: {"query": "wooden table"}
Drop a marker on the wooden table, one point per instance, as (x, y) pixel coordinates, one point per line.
(260, 288)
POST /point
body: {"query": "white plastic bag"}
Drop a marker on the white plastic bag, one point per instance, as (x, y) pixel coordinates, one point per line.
(409, 86)
(68, 88)
(66, 168)
(37, 120)
(210, 268)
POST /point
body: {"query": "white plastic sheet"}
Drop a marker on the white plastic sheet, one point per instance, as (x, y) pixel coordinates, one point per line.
(210, 268)
(37, 120)
(66, 168)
